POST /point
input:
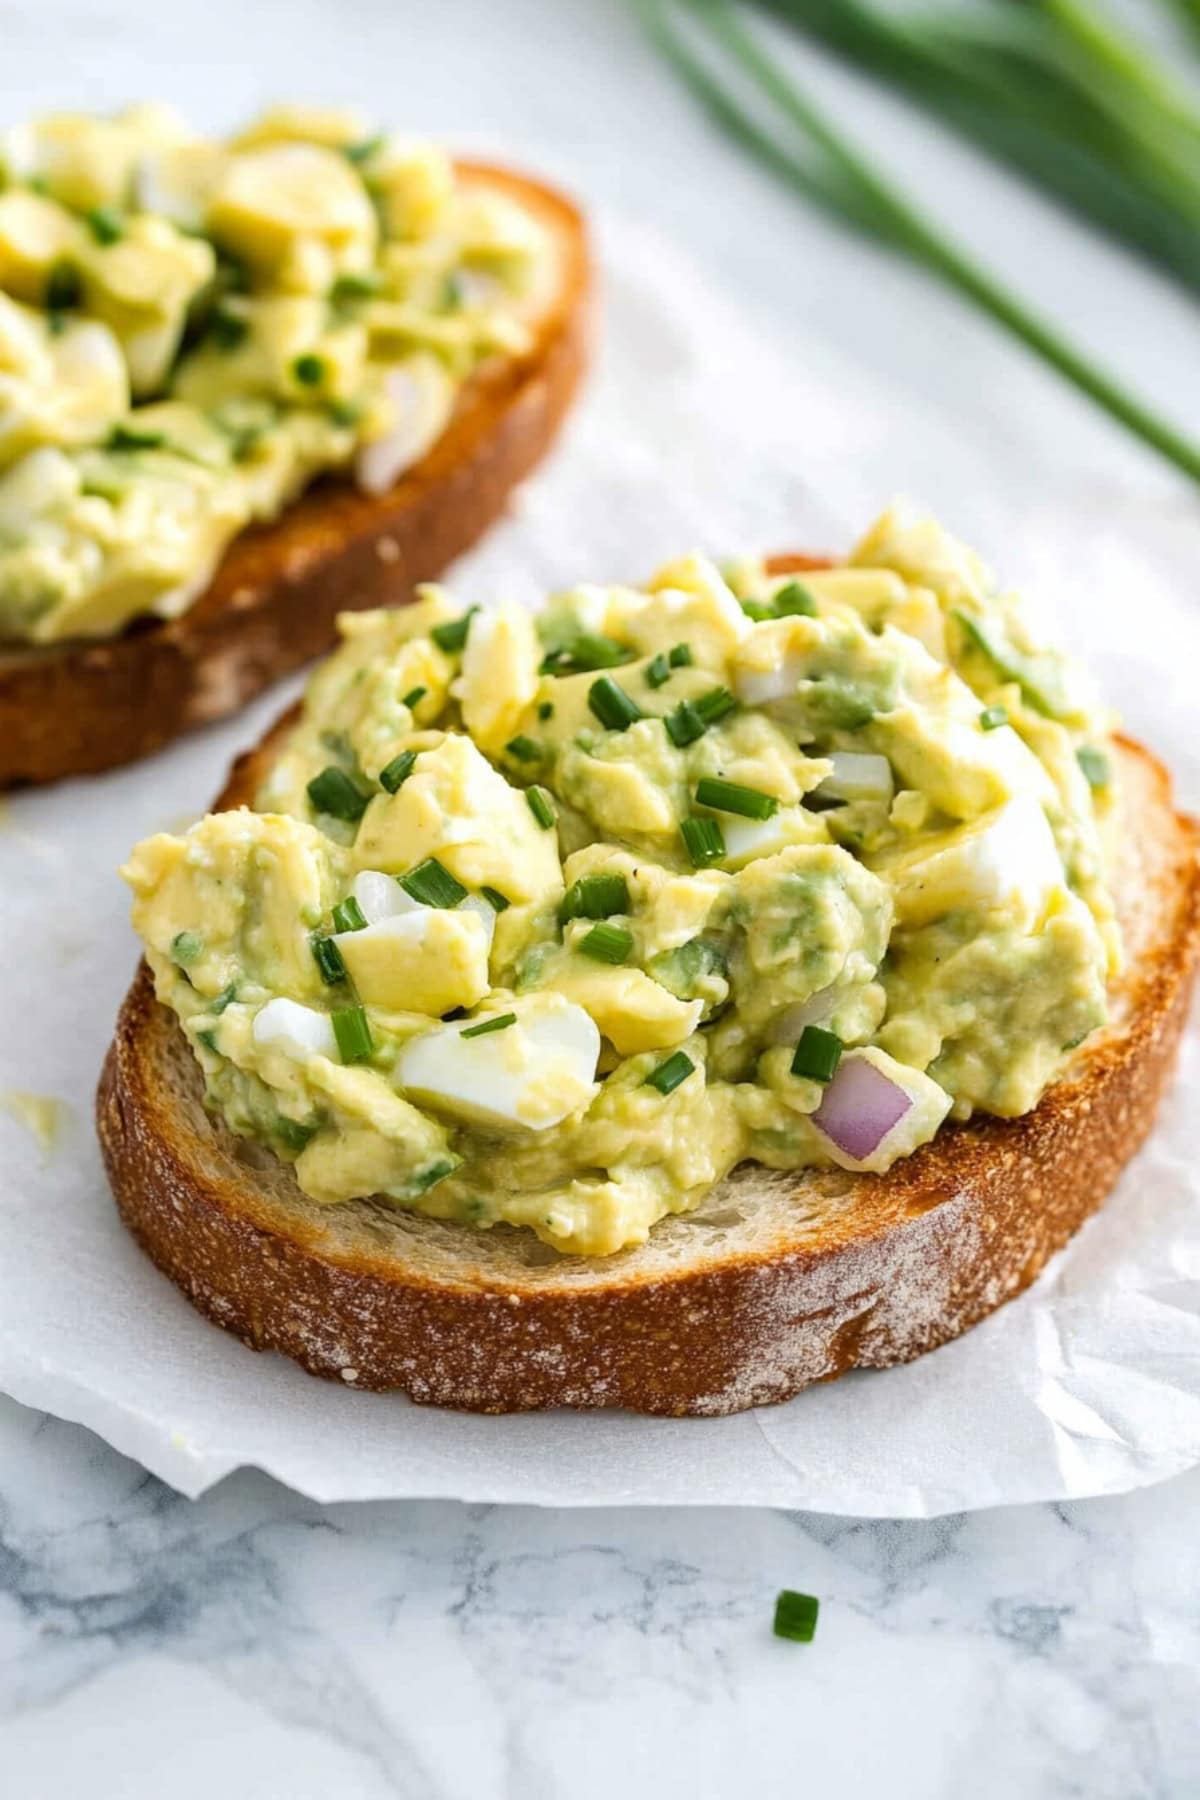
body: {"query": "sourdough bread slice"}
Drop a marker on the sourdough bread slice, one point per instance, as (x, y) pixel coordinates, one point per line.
(84, 706)
(779, 1280)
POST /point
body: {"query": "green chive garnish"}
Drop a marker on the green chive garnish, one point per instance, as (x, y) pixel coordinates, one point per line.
(684, 725)
(732, 797)
(293, 1135)
(64, 287)
(348, 915)
(363, 151)
(704, 840)
(355, 285)
(346, 413)
(496, 900)
(105, 224)
(796, 1616)
(129, 437)
(715, 705)
(594, 897)
(668, 1075)
(606, 943)
(328, 959)
(794, 599)
(818, 1054)
(541, 806)
(414, 697)
(453, 293)
(397, 772)
(501, 1022)
(992, 717)
(353, 1034)
(451, 636)
(612, 705)
(227, 329)
(680, 657)
(546, 709)
(758, 611)
(209, 1040)
(333, 792)
(186, 946)
(590, 650)
(1095, 766)
(309, 369)
(432, 885)
(525, 749)
(225, 998)
(658, 670)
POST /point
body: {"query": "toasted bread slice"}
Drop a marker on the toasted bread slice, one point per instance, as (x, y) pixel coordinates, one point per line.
(777, 1281)
(83, 706)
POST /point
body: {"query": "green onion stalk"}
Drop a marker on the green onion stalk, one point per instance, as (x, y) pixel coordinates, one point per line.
(828, 168)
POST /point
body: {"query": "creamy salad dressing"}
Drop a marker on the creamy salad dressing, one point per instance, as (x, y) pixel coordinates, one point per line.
(192, 331)
(554, 921)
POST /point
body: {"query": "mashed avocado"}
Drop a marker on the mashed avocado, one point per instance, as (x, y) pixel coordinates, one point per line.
(555, 921)
(191, 331)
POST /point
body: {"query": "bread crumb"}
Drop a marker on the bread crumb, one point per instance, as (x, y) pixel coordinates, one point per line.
(387, 550)
(349, 1374)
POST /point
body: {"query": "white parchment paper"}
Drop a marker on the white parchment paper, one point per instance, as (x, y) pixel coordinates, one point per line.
(698, 430)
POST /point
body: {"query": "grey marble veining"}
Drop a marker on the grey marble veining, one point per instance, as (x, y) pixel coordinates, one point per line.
(432, 1651)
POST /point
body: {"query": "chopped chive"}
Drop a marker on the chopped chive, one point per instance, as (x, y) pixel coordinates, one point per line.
(758, 611)
(328, 959)
(64, 287)
(309, 369)
(57, 322)
(353, 1034)
(453, 634)
(225, 998)
(414, 697)
(715, 705)
(129, 437)
(612, 705)
(345, 413)
(186, 946)
(1095, 766)
(818, 1054)
(658, 670)
(680, 657)
(590, 650)
(397, 772)
(704, 840)
(433, 885)
(541, 806)
(732, 797)
(525, 749)
(668, 1075)
(606, 943)
(496, 900)
(294, 1135)
(453, 293)
(348, 915)
(992, 717)
(105, 224)
(364, 150)
(430, 1176)
(684, 725)
(501, 1022)
(209, 1040)
(227, 329)
(546, 709)
(796, 1616)
(334, 793)
(594, 897)
(355, 284)
(794, 599)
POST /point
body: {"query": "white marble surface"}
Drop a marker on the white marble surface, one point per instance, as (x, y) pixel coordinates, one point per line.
(259, 1644)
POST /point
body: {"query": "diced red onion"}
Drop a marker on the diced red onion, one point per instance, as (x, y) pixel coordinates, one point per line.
(859, 1107)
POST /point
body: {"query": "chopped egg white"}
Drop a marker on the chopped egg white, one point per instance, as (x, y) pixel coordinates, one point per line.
(1007, 858)
(299, 1030)
(529, 1075)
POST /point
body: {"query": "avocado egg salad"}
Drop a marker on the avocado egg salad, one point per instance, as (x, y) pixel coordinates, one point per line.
(555, 920)
(191, 331)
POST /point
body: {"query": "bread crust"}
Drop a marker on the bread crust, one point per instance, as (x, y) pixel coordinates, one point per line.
(853, 1271)
(88, 705)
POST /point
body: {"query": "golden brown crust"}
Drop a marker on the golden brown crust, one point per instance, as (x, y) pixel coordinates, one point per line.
(852, 1271)
(80, 708)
